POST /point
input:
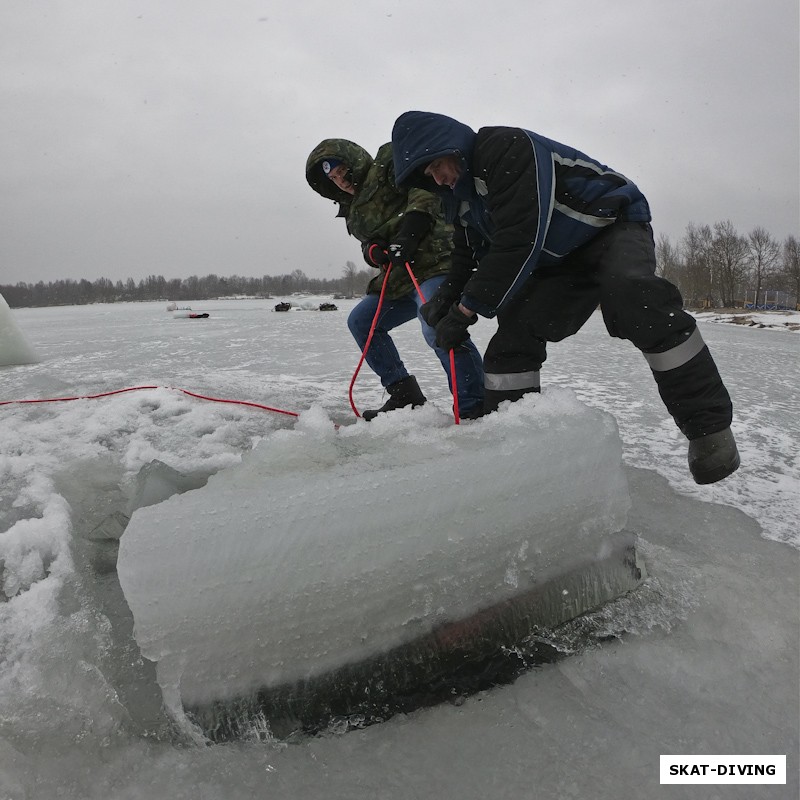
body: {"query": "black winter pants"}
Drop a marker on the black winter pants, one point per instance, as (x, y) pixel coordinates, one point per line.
(615, 271)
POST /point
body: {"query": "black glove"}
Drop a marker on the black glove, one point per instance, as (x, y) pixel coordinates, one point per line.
(438, 306)
(451, 330)
(398, 257)
(413, 229)
(447, 294)
(375, 253)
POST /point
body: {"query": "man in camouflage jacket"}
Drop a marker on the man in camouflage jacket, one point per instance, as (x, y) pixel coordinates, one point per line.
(394, 226)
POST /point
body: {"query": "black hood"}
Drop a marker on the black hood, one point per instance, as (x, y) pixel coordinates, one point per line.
(419, 137)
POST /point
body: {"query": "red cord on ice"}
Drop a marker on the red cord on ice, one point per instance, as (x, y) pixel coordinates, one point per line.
(138, 388)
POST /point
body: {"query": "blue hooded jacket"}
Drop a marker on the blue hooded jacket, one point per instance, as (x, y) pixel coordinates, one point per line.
(524, 201)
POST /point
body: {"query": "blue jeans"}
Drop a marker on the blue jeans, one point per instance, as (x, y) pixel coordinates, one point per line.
(385, 361)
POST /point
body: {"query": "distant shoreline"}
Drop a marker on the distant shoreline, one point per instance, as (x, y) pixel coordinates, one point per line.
(749, 318)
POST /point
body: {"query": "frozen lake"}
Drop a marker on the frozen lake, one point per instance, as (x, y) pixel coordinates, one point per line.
(702, 659)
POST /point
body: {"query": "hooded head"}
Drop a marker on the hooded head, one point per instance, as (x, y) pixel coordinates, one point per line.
(419, 137)
(334, 152)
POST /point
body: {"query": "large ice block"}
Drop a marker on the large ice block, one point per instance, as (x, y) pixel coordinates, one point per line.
(325, 548)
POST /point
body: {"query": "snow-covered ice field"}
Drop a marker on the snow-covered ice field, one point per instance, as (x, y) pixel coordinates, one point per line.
(702, 659)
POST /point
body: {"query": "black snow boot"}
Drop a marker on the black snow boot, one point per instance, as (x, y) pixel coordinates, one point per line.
(401, 394)
(473, 413)
(713, 457)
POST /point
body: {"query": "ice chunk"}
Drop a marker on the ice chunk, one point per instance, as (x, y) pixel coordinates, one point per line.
(324, 548)
(14, 348)
(110, 528)
(156, 481)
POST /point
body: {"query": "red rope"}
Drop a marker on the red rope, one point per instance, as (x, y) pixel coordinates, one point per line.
(137, 388)
(80, 397)
(369, 339)
(414, 281)
(453, 386)
(240, 402)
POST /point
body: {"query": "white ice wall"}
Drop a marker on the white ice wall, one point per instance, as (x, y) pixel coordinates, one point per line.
(14, 349)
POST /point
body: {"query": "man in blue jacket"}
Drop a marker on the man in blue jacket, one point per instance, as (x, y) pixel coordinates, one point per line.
(546, 235)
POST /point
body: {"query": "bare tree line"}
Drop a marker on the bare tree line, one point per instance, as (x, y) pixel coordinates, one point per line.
(713, 266)
(352, 282)
(717, 267)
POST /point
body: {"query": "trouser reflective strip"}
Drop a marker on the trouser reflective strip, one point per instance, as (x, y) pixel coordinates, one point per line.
(511, 381)
(677, 356)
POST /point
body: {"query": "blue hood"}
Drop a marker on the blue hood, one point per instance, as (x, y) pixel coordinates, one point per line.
(419, 137)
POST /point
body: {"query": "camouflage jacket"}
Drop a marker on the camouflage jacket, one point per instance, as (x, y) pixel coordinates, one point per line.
(375, 211)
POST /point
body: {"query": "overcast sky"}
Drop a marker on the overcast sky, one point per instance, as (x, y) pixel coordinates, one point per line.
(169, 137)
